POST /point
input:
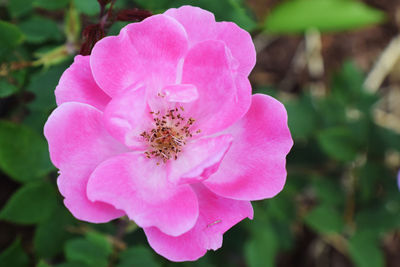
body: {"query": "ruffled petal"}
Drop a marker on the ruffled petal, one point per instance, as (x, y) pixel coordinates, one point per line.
(254, 167)
(199, 159)
(138, 186)
(127, 116)
(77, 85)
(208, 66)
(147, 52)
(78, 142)
(217, 215)
(238, 40)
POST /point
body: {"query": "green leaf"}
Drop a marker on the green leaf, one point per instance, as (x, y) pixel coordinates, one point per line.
(50, 235)
(42, 263)
(137, 256)
(89, 252)
(324, 220)
(42, 85)
(302, 117)
(14, 256)
(32, 203)
(23, 153)
(364, 250)
(297, 16)
(51, 4)
(88, 7)
(6, 88)
(11, 36)
(261, 250)
(39, 29)
(18, 8)
(339, 143)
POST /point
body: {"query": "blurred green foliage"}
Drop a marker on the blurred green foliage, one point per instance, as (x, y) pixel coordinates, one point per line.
(338, 185)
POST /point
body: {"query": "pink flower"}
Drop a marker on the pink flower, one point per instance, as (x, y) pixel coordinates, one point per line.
(159, 124)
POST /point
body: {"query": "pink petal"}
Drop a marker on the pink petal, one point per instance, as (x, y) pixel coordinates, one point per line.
(77, 85)
(217, 215)
(138, 186)
(127, 116)
(199, 159)
(182, 93)
(78, 142)
(222, 100)
(238, 40)
(148, 51)
(254, 167)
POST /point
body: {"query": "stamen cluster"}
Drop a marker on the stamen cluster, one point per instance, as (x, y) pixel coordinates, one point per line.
(169, 135)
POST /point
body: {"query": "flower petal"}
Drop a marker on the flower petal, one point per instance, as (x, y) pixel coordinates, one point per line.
(238, 40)
(77, 85)
(199, 159)
(217, 215)
(254, 167)
(208, 66)
(78, 142)
(148, 51)
(138, 186)
(127, 116)
(182, 93)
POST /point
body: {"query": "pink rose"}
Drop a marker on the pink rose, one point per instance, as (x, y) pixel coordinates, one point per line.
(159, 124)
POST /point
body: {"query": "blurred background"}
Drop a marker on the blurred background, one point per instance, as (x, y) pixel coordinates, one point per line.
(333, 63)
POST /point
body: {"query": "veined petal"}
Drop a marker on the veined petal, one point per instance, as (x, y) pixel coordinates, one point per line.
(148, 52)
(199, 159)
(208, 66)
(77, 85)
(138, 186)
(254, 167)
(217, 215)
(78, 142)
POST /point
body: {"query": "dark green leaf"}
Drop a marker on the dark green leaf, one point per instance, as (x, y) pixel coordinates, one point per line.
(339, 143)
(43, 84)
(325, 220)
(6, 88)
(19, 8)
(137, 256)
(40, 29)
(89, 252)
(325, 15)
(14, 256)
(11, 36)
(32, 203)
(23, 153)
(51, 234)
(364, 250)
(51, 4)
(261, 250)
(302, 117)
(88, 7)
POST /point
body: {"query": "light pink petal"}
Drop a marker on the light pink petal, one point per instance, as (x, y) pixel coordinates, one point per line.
(149, 52)
(200, 26)
(182, 93)
(240, 44)
(77, 85)
(199, 159)
(138, 186)
(222, 101)
(78, 142)
(127, 116)
(254, 167)
(217, 215)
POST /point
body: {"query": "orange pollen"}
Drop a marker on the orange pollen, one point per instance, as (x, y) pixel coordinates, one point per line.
(169, 135)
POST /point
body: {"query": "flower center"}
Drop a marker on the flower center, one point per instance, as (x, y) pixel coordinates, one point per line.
(169, 135)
